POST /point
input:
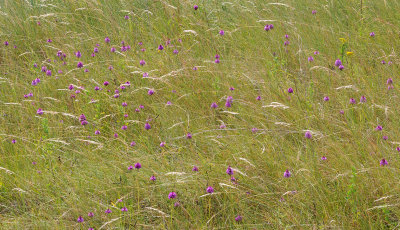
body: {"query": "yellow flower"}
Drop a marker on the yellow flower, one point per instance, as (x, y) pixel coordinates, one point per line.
(349, 53)
(342, 40)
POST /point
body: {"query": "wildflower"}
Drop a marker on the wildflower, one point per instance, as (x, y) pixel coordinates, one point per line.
(138, 165)
(341, 67)
(338, 62)
(48, 72)
(378, 128)
(222, 126)
(142, 62)
(133, 143)
(286, 36)
(107, 40)
(323, 158)
(39, 111)
(124, 104)
(210, 189)
(363, 99)
(383, 162)
(258, 98)
(310, 59)
(195, 169)
(150, 92)
(254, 130)
(130, 167)
(147, 126)
(195, 7)
(78, 54)
(352, 101)
(229, 170)
(108, 211)
(286, 43)
(84, 122)
(112, 49)
(267, 28)
(349, 53)
(221, 32)
(214, 105)
(80, 219)
(49, 40)
(160, 47)
(287, 173)
(162, 144)
(124, 127)
(115, 135)
(290, 90)
(217, 61)
(372, 34)
(389, 81)
(6, 43)
(169, 103)
(90, 214)
(177, 204)
(13, 141)
(189, 136)
(172, 195)
(124, 209)
(145, 74)
(316, 52)
(238, 218)
(153, 178)
(71, 87)
(308, 135)
(385, 138)
(97, 132)
(106, 83)
(175, 51)
(326, 98)
(314, 12)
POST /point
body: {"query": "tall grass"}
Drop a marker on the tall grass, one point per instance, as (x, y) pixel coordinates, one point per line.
(58, 169)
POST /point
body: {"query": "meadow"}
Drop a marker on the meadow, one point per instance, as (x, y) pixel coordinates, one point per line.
(183, 114)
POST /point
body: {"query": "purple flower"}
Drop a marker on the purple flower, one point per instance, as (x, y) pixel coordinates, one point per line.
(142, 62)
(398, 149)
(310, 59)
(78, 54)
(124, 209)
(195, 7)
(231, 88)
(175, 51)
(385, 138)
(147, 126)
(222, 126)
(238, 218)
(217, 61)
(79, 65)
(290, 90)
(80, 219)
(126, 17)
(160, 47)
(141, 106)
(6, 43)
(48, 72)
(106, 83)
(97, 132)
(189, 136)
(267, 27)
(308, 135)
(130, 167)
(258, 98)
(112, 49)
(378, 128)
(115, 135)
(210, 189)
(221, 32)
(286, 43)
(162, 144)
(341, 67)
(352, 101)
(316, 52)
(39, 111)
(214, 105)
(372, 34)
(314, 12)
(172, 195)
(145, 74)
(286, 36)
(389, 81)
(133, 143)
(363, 99)
(150, 92)
(96, 50)
(84, 122)
(287, 173)
(124, 127)
(107, 40)
(229, 170)
(169, 103)
(108, 211)
(383, 162)
(153, 178)
(326, 98)
(323, 158)
(71, 87)
(90, 214)
(254, 130)
(195, 169)
(13, 141)
(49, 40)
(338, 62)
(124, 104)
(138, 165)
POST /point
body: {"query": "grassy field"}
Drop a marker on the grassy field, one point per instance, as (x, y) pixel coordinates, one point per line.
(108, 121)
